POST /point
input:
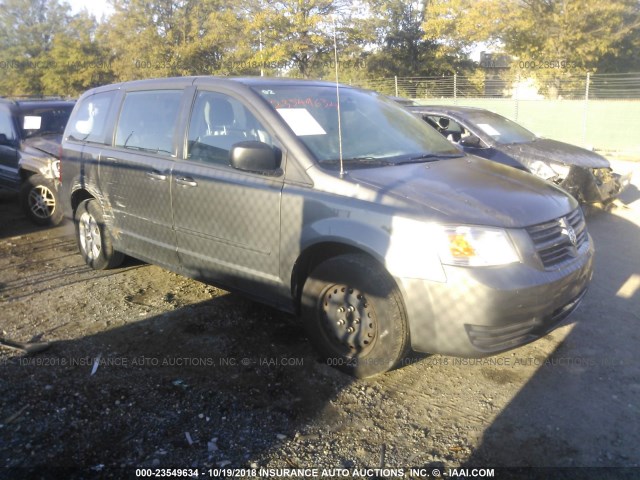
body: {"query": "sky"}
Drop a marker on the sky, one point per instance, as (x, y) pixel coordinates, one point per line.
(95, 7)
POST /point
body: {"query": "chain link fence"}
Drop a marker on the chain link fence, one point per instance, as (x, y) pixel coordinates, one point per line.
(597, 111)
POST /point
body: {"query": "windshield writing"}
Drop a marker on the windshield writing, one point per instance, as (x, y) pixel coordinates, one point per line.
(375, 131)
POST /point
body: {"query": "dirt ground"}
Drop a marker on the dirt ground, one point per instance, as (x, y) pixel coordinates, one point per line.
(148, 369)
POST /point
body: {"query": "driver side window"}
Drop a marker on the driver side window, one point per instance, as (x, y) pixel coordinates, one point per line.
(7, 131)
(218, 122)
(452, 130)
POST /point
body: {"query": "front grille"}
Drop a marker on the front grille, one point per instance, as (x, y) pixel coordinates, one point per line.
(554, 240)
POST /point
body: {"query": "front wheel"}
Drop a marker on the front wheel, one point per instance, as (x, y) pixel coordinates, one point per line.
(39, 199)
(94, 239)
(353, 313)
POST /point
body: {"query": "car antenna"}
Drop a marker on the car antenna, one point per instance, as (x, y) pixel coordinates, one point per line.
(335, 54)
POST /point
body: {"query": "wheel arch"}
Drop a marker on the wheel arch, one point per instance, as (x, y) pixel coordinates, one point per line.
(25, 174)
(317, 253)
(78, 196)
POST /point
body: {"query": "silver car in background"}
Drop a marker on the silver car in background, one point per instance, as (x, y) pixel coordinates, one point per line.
(583, 173)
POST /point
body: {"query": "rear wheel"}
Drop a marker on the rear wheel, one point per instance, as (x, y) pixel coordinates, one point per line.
(354, 315)
(39, 199)
(94, 239)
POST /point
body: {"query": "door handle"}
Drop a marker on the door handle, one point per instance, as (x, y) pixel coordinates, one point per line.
(186, 182)
(156, 175)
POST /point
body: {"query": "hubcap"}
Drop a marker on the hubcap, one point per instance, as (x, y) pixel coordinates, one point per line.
(348, 319)
(42, 203)
(90, 238)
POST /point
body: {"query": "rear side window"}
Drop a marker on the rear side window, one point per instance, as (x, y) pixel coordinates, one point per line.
(147, 121)
(90, 118)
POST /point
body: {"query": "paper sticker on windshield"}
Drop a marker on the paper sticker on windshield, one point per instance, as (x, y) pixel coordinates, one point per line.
(301, 121)
(32, 122)
(489, 130)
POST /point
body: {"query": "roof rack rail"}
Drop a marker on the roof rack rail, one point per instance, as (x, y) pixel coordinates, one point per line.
(19, 98)
(39, 97)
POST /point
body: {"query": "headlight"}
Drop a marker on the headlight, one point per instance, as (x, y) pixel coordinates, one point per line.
(549, 170)
(419, 249)
(55, 169)
(412, 250)
(476, 247)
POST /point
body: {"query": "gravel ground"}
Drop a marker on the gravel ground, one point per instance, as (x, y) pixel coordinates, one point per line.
(148, 369)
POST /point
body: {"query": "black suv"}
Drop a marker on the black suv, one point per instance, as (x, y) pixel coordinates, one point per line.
(30, 135)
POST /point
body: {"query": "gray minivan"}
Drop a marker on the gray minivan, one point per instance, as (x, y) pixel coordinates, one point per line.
(332, 203)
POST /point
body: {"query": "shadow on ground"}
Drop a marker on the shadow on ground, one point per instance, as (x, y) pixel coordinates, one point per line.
(568, 414)
(191, 388)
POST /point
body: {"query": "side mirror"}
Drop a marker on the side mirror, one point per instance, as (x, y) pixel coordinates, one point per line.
(255, 157)
(471, 142)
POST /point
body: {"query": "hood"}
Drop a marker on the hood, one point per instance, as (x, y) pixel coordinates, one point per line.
(547, 150)
(49, 144)
(469, 190)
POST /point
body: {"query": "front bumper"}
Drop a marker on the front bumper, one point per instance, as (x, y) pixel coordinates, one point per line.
(598, 185)
(483, 311)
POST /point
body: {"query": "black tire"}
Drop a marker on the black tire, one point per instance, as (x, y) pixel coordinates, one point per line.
(337, 298)
(94, 239)
(40, 201)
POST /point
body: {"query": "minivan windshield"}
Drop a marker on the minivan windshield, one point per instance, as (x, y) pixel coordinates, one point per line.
(374, 130)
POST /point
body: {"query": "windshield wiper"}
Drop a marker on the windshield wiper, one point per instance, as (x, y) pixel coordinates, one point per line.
(361, 161)
(147, 149)
(430, 157)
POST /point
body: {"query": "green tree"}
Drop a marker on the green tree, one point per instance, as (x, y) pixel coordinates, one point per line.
(398, 37)
(78, 59)
(399, 46)
(295, 36)
(579, 32)
(162, 38)
(27, 30)
(624, 54)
